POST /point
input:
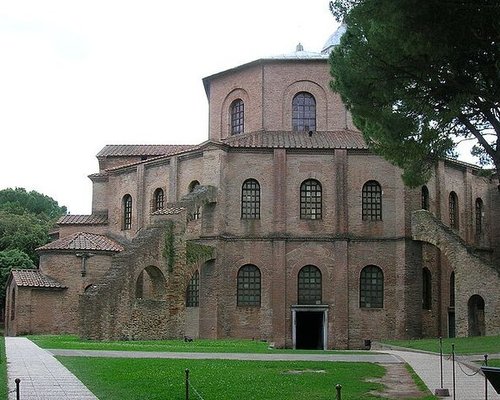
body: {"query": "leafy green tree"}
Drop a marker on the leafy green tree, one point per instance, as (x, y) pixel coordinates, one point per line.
(18, 201)
(12, 259)
(420, 76)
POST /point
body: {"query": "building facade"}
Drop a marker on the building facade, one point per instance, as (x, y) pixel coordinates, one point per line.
(282, 226)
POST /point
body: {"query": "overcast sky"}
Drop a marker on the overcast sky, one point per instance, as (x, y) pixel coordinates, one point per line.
(77, 75)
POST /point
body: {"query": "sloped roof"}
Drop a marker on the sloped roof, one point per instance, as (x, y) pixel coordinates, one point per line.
(83, 241)
(93, 219)
(34, 278)
(301, 140)
(121, 150)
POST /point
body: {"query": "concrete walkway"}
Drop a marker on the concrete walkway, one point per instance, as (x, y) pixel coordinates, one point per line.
(45, 378)
(42, 376)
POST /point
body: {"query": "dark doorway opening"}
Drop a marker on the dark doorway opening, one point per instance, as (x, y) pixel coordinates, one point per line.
(476, 316)
(451, 324)
(309, 330)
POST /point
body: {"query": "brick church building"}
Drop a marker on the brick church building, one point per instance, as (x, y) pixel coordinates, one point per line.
(282, 226)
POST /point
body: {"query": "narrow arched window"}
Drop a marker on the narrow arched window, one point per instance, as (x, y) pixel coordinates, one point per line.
(426, 289)
(309, 285)
(310, 199)
(479, 216)
(248, 286)
(453, 209)
(303, 112)
(371, 201)
(371, 287)
(250, 199)
(127, 212)
(237, 116)
(425, 198)
(193, 291)
(193, 185)
(158, 199)
(452, 289)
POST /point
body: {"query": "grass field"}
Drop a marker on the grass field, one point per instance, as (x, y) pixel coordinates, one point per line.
(197, 346)
(469, 345)
(3, 368)
(151, 379)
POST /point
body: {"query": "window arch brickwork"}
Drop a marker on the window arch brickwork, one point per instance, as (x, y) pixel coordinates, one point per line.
(250, 199)
(309, 287)
(311, 199)
(371, 200)
(371, 287)
(303, 112)
(248, 286)
(237, 111)
(158, 199)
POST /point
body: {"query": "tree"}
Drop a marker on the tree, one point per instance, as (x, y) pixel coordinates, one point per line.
(18, 200)
(420, 76)
(12, 259)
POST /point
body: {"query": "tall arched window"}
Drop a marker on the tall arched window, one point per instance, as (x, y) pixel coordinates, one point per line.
(371, 201)
(303, 112)
(453, 208)
(309, 285)
(193, 291)
(479, 216)
(426, 289)
(237, 116)
(452, 289)
(248, 286)
(158, 199)
(310, 199)
(250, 199)
(371, 287)
(425, 198)
(127, 212)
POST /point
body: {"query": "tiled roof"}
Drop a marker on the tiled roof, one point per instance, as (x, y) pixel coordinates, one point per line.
(300, 140)
(168, 211)
(93, 219)
(120, 150)
(83, 241)
(34, 278)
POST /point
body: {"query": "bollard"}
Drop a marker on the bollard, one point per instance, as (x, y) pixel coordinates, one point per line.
(441, 391)
(187, 384)
(339, 390)
(18, 393)
(485, 379)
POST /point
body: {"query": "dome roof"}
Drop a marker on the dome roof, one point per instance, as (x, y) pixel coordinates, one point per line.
(334, 39)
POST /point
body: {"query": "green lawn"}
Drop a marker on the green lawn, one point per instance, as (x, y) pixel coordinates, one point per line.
(469, 345)
(3, 367)
(151, 379)
(197, 346)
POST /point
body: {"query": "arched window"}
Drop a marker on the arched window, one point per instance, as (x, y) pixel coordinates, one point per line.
(250, 199)
(452, 289)
(479, 216)
(303, 112)
(248, 286)
(237, 116)
(309, 285)
(476, 316)
(371, 287)
(453, 208)
(193, 291)
(150, 284)
(425, 198)
(426, 289)
(127, 212)
(193, 185)
(310, 199)
(372, 201)
(158, 199)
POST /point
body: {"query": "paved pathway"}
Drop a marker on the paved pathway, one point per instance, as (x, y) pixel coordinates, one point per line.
(42, 376)
(45, 378)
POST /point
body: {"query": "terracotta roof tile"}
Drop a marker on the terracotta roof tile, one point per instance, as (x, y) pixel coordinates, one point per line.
(169, 211)
(83, 241)
(299, 140)
(120, 150)
(93, 219)
(34, 278)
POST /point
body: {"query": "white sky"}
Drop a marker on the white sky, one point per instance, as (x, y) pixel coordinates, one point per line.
(77, 75)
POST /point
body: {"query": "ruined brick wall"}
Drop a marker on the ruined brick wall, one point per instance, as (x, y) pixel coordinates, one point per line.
(473, 275)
